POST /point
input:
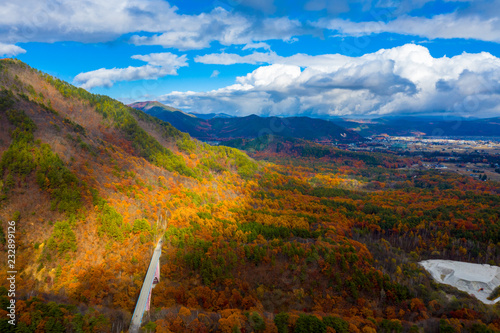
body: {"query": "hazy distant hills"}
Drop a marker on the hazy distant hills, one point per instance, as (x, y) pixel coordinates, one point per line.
(437, 126)
(211, 115)
(221, 126)
(224, 127)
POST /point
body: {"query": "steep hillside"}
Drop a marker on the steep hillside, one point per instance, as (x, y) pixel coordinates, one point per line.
(88, 180)
(226, 128)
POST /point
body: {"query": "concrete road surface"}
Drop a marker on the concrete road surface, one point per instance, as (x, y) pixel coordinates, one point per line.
(140, 307)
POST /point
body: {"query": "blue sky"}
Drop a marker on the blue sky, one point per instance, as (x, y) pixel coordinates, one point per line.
(312, 57)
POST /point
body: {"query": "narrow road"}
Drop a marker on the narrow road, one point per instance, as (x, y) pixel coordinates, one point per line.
(140, 307)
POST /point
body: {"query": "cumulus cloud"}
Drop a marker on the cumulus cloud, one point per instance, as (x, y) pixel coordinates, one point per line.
(156, 22)
(376, 76)
(227, 28)
(101, 21)
(10, 50)
(84, 21)
(402, 79)
(215, 73)
(158, 65)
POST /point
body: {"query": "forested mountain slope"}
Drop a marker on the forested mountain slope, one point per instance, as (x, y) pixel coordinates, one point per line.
(86, 178)
(249, 127)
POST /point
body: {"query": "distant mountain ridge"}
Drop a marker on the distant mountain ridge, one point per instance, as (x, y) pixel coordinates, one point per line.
(424, 126)
(154, 106)
(211, 115)
(219, 128)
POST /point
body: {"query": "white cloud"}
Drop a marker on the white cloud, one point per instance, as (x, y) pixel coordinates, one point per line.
(215, 73)
(158, 65)
(299, 59)
(227, 28)
(275, 77)
(232, 58)
(101, 21)
(156, 22)
(10, 50)
(439, 26)
(165, 59)
(255, 46)
(402, 79)
(85, 21)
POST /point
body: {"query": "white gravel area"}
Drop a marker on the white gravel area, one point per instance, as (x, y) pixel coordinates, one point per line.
(476, 279)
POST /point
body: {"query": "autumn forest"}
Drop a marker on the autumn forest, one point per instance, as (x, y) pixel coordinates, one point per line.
(269, 235)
